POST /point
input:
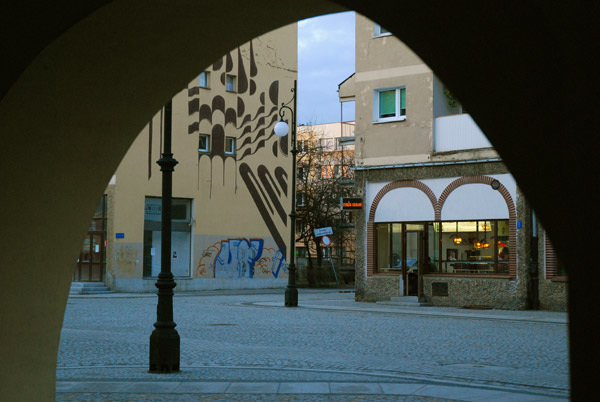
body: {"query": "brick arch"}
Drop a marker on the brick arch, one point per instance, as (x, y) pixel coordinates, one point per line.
(512, 212)
(371, 241)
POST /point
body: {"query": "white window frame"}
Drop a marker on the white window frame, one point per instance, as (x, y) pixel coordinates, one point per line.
(207, 149)
(379, 31)
(233, 141)
(230, 78)
(397, 116)
(204, 83)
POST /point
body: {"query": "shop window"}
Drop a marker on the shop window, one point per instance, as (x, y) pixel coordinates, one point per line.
(475, 247)
(457, 247)
(389, 247)
(180, 237)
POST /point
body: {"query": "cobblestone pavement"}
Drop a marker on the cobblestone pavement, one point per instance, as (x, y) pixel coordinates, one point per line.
(249, 337)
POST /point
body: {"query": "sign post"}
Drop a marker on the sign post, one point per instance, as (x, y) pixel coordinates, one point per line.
(326, 242)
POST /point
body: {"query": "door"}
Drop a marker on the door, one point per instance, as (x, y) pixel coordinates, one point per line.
(92, 258)
(416, 256)
(413, 260)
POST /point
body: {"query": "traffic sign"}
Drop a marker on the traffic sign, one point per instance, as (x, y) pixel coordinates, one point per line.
(323, 231)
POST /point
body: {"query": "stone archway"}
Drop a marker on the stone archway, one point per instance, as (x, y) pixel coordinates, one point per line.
(90, 74)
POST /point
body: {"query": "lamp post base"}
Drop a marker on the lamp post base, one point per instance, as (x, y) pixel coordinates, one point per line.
(291, 297)
(164, 351)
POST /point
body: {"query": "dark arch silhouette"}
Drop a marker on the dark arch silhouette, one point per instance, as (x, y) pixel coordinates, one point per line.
(82, 75)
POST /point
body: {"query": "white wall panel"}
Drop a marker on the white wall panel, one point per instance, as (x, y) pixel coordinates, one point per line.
(457, 132)
(474, 201)
(404, 204)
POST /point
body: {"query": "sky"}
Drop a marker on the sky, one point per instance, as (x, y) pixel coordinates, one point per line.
(325, 59)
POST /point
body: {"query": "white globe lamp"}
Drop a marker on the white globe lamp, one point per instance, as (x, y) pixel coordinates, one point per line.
(281, 128)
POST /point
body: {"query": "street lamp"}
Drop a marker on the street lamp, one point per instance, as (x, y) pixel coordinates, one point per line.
(281, 129)
(164, 340)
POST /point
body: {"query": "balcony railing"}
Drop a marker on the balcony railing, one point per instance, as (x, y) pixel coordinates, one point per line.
(458, 132)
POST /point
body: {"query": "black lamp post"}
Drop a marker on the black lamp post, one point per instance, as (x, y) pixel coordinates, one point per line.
(164, 341)
(281, 129)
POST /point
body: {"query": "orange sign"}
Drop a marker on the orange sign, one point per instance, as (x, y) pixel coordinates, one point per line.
(352, 203)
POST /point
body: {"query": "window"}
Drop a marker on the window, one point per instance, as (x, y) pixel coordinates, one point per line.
(230, 83)
(305, 146)
(302, 146)
(301, 252)
(389, 104)
(204, 143)
(302, 172)
(327, 144)
(300, 226)
(378, 30)
(457, 247)
(326, 171)
(180, 236)
(230, 145)
(204, 80)
(300, 199)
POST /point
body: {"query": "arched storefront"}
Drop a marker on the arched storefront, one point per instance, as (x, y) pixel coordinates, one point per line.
(449, 228)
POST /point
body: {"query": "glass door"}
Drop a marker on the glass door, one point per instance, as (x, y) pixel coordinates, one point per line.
(413, 249)
(417, 256)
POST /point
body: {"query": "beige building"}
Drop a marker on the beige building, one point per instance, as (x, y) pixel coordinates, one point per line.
(230, 188)
(443, 218)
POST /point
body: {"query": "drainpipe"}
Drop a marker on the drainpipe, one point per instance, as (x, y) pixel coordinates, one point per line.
(533, 294)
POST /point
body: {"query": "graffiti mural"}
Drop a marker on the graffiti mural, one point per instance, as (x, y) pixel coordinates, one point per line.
(241, 258)
(255, 138)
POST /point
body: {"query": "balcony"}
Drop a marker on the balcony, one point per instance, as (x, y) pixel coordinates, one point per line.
(458, 132)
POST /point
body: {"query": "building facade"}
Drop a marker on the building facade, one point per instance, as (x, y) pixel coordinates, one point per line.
(324, 161)
(231, 186)
(443, 218)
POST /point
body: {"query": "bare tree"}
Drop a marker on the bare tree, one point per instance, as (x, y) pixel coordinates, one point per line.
(323, 177)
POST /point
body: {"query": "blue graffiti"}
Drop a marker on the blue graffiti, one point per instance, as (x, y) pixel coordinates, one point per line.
(278, 262)
(237, 257)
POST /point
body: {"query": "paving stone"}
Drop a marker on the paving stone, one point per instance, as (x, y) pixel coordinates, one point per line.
(201, 387)
(253, 388)
(304, 388)
(400, 389)
(354, 388)
(242, 337)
